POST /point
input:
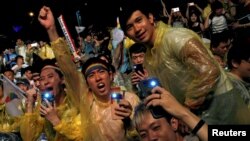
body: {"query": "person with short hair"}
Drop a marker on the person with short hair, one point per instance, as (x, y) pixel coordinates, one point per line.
(166, 126)
(137, 53)
(185, 67)
(9, 73)
(58, 119)
(239, 69)
(23, 84)
(92, 95)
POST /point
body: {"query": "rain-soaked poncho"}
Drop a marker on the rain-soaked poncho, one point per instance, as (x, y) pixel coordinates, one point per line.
(7, 122)
(187, 69)
(32, 124)
(96, 121)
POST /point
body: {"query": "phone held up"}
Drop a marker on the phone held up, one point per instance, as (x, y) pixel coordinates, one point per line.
(47, 95)
(191, 4)
(146, 87)
(138, 68)
(176, 9)
(116, 96)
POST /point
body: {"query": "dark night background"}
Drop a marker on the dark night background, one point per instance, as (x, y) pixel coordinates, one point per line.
(98, 12)
(15, 13)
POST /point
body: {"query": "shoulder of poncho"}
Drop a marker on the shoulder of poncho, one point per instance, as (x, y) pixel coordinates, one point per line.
(165, 31)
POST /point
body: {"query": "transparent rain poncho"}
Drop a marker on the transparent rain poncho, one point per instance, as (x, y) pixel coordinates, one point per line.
(96, 121)
(32, 124)
(7, 122)
(187, 69)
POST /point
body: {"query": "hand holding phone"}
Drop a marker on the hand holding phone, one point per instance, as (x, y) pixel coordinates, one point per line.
(146, 87)
(176, 9)
(47, 95)
(116, 97)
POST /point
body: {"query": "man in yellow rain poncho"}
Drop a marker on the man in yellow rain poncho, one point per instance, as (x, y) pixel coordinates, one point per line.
(92, 99)
(185, 67)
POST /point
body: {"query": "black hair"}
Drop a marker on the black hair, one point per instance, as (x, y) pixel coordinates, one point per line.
(238, 52)
(216, 5)
(18, 56)
(141, 109)
(218, 38)
(37, 63)
(109, 59)
(23, 70)
(22, 81)
(130, 6)
(137, 48)
(6, 69)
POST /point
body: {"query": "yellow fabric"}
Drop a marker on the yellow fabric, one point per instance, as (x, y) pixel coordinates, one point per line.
(8, 123)
(179, 56)
(100, 114)
(110, 45)
(32, 125)
(128, 42)
(70, 126)
(95, 116)
(46, 52)
(206, 11)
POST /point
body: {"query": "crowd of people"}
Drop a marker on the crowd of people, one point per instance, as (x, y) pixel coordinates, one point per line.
(148, 78)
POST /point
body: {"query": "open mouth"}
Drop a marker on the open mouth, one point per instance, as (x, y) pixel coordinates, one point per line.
(101, 87)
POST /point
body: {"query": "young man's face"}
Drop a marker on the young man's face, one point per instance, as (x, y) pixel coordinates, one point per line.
(99, 81)
(155, 129)
(138, 58)
(222, 48)
(140, 28)
(23, 87)
(36, 80)
(9, 75)
(20, 61)
(51, 79)
(28, 74)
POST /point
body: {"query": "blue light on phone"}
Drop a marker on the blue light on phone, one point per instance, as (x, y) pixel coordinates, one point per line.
(114, 95)
(153, 83)
(46, 95)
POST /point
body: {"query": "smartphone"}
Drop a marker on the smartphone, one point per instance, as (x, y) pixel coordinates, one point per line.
(191, 4)
(34, 45)
(176, 9)
(146, 87)
(46, 94)
(116, 97)
(138, 67)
